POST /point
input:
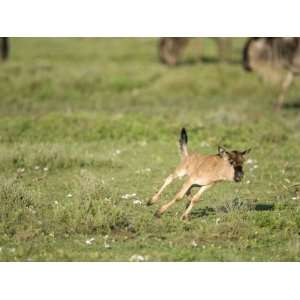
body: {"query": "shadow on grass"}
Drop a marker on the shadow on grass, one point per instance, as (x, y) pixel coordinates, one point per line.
(204, 212)
(206, 60)
(213, 60)
(263, 206)
(292, 105)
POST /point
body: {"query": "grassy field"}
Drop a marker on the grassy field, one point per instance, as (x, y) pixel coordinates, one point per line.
(89, 131)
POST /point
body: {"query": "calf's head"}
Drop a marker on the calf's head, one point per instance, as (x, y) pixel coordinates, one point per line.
(235, 161)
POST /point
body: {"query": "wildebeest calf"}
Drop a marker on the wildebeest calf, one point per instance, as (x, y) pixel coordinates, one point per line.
(203, 171)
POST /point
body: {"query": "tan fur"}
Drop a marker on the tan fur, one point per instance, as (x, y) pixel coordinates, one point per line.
(203, 171)
(170, 48)
(206, 169)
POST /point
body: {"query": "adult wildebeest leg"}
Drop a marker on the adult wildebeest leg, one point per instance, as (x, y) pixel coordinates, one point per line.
(177, 197)
(224, 48)
(199, 48)
(4, 47)
(194, 200)
(179, 45)
(170, 49)
(165, 47)
(285, 85)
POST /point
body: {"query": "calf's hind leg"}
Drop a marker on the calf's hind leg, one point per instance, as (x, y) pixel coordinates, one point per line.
(194, 200)
(168, 181)
(179, 172)
(177, 197)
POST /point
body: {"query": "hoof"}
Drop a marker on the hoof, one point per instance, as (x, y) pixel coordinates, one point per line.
(187, 204)
(184, 218)
(157, 214)
(149, 203)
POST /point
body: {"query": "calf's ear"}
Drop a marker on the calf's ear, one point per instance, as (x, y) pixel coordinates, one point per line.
(222, 151)
(246, 151)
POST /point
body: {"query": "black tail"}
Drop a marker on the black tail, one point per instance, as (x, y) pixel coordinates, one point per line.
(183, 140)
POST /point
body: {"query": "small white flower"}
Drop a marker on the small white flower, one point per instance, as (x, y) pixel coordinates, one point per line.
(143, 171)
(89, 242)
(255, 166)
(194, 244)
(56, 202)
(248, 181)
(69, 195)
(127, 196)
(106, 245)
(294, 198)
(204, 144)
(249, 161)
(0, 249)
(287, 180)
(117, 152)
(137, 258)
(21, 170)
(36, 167)
(33, 211)
(12, 250)
(218, 221)
(45, 169)
(137, 202)
(203, 246)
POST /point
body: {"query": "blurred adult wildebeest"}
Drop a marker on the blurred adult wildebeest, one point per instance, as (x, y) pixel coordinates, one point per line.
(170, 48)
(276, 59)
(4, 48)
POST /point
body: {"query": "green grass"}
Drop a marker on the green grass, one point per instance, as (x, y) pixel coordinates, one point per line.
(87, 121)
